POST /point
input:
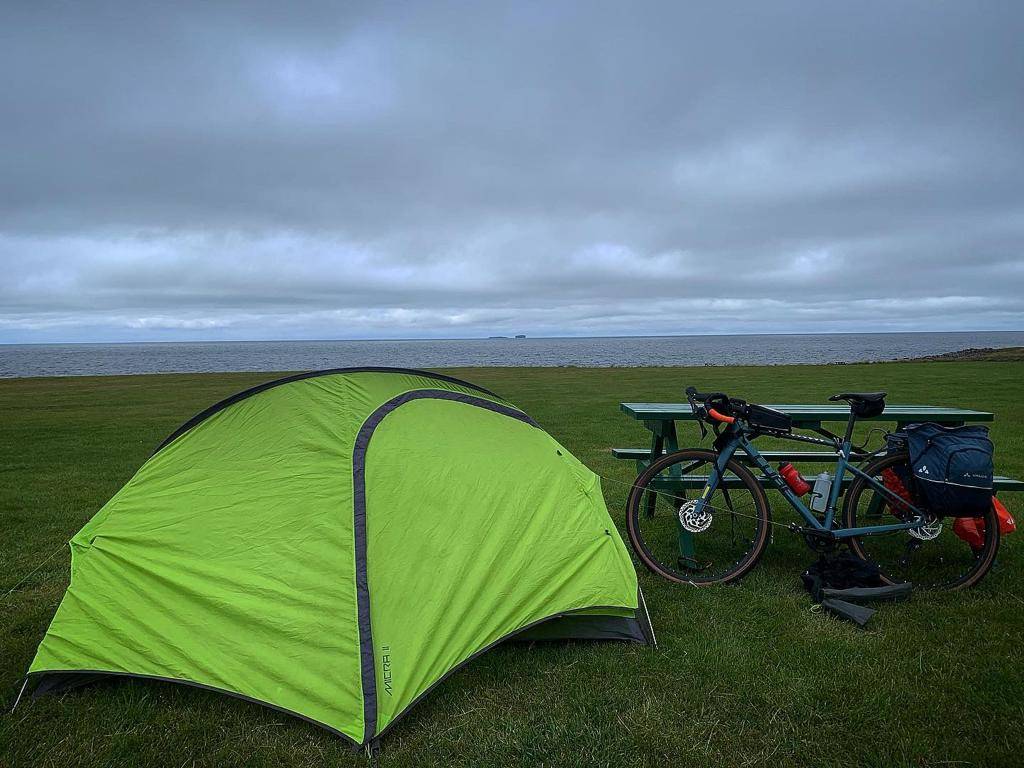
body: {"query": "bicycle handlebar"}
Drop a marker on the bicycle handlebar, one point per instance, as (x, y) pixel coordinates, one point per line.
(716, 406)
(706, 397)
(719, 417)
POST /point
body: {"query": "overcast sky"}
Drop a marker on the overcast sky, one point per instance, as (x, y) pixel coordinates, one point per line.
(200, 170)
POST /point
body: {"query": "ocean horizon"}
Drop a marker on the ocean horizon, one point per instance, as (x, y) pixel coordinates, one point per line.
(87, 359)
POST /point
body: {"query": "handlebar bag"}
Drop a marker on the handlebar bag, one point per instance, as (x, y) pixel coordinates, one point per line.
(953, 468)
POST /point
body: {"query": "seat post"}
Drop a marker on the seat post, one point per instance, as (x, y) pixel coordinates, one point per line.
(849, 425)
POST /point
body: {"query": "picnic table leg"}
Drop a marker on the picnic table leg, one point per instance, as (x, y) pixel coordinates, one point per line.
(684, 537)
(686, 544)
(876, 504)
(670, 436)
(657, 445)
(664, 439)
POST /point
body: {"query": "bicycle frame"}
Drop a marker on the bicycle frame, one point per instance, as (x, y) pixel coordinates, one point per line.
(739, 437)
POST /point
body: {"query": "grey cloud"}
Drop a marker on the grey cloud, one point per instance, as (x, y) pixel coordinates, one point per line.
(240, 171)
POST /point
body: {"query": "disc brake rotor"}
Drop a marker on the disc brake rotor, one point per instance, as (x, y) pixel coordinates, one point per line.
(930, 530)
(692, 520)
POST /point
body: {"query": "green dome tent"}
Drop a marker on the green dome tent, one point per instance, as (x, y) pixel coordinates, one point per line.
(335, 543)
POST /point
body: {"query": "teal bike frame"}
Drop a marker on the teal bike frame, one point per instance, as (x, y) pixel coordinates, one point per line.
(739, 436)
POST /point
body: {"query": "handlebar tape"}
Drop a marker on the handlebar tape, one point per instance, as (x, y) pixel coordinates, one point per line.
(719, 417)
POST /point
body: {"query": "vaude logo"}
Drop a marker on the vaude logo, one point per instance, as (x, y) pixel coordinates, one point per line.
(923, 470)
(385, 665)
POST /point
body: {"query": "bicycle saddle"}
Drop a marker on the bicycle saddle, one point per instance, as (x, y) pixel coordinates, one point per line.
(863, 404)
(860, 397)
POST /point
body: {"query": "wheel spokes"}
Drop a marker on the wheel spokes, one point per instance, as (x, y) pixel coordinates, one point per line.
(719, 537)
(930, 556)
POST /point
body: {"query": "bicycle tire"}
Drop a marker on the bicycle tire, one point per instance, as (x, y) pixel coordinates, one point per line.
(634, 505)
(984, 558)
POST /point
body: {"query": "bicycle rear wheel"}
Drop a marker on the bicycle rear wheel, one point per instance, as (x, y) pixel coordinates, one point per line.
(669, 539)
(933, 558)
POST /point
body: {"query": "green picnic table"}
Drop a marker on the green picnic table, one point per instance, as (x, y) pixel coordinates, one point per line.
(661, 418)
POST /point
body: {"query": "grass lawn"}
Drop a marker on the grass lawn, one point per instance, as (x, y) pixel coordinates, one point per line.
(743, 675)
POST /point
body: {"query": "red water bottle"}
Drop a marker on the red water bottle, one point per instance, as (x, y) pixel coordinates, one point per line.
(798, 485)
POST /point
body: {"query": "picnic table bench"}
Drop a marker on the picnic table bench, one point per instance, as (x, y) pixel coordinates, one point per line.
(661, 418)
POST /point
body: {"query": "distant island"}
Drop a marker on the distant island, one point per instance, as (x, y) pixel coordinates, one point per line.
(517, 336)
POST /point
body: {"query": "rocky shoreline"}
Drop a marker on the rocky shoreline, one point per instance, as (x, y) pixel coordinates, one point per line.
(973, 354)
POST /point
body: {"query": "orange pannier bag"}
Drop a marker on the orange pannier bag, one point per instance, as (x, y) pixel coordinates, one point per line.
(896, 484)
(972, 529)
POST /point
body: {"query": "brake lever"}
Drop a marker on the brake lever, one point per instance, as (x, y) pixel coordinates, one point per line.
(696, 412)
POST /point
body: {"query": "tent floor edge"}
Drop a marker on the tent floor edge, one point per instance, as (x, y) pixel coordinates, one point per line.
(636, 637)
(64, 680)
(586, 627)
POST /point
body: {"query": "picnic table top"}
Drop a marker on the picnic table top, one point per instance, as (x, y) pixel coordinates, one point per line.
(813, 414)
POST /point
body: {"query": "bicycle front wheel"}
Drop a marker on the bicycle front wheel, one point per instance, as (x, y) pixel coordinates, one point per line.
(717, 545)
(933, 557)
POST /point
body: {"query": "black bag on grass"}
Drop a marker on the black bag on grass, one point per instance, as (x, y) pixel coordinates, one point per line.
(838, 582)
(952, 467)
(841, 571)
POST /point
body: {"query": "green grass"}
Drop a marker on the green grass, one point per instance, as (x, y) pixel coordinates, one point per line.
(743, 675)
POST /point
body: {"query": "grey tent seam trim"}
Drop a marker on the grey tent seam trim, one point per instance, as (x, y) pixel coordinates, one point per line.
(368, 673)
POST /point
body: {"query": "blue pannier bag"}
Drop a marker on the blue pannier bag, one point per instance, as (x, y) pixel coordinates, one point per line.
(952, 467)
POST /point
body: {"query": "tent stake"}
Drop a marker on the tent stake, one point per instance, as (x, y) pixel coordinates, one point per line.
(643, 604)
(17, 700)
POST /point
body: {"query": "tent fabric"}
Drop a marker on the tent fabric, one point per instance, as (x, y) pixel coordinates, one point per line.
(334, 544)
